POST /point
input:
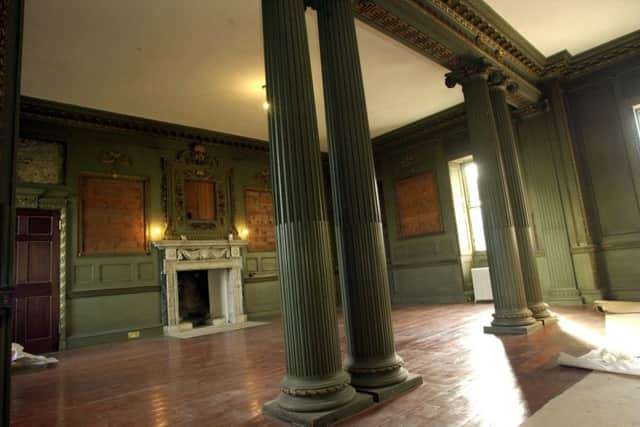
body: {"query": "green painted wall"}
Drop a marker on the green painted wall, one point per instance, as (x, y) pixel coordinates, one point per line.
(107, 296)
(423, 269)
(536, 135)
(606, 137)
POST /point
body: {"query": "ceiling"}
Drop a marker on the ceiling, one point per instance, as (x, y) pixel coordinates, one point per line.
(575, 25)
(202, 65)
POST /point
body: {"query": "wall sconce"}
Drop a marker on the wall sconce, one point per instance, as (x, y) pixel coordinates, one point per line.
(156, 232)
(243, 233)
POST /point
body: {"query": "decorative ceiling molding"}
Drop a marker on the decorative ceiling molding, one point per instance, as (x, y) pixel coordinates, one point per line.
(474, 24)
(50, 111)
(450, 32)
(378, 17)
(567, 67)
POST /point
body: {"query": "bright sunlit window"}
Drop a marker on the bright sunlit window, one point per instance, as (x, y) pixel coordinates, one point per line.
(470, 174)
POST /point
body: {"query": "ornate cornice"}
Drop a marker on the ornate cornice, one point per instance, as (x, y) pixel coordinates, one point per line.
(55, 112)
(567, 67)
(475, 25)
(380, 18)
(531, 109)
(451, 31)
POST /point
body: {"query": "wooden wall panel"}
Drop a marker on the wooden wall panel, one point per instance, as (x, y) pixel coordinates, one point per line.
(600, 133)
(112, 216)
(200, 200)
(418, 205)
(259, 212)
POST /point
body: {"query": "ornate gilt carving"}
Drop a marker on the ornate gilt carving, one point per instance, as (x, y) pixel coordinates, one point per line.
(196, 164)
(378, 17)
(476, 67)
(476, 28)
(264, 176)
(114, 159)
(203, 253)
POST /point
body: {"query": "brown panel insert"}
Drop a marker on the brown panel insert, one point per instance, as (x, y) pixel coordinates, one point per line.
(113, 215)
(259, 211)
(418, 205)
(200, 200)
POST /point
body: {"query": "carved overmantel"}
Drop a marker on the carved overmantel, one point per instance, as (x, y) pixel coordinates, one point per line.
(188, 255)
(197, 164)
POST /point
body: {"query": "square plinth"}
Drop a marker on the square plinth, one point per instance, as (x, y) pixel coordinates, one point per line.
(513, 330)
(396, 390)
(358, 404)
(551, 320)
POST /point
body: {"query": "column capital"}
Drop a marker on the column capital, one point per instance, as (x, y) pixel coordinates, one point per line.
(478, 67)
(498, 80)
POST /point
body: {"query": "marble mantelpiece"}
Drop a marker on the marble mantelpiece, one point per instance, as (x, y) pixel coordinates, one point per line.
(210, 255)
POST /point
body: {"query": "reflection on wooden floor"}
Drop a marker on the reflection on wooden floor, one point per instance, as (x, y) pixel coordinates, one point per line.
(470, 379)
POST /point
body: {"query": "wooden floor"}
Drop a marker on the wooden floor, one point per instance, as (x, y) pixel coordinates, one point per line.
(470, 379)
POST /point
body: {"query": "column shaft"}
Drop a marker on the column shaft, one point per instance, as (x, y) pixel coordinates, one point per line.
(372, 360)
(314, 379)
(11, 12)
(517, 197)
(511, 313)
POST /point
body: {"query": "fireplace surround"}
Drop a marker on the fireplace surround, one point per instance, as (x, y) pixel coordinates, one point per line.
(222, 259)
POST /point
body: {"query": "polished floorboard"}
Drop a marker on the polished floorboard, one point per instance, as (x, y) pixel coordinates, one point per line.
(470, 379)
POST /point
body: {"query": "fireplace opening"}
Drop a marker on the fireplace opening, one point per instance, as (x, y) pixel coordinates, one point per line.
(193, 297)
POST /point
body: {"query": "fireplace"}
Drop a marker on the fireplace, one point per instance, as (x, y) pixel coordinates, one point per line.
(203, 283)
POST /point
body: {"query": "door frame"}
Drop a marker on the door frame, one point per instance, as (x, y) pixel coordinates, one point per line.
(27, 199)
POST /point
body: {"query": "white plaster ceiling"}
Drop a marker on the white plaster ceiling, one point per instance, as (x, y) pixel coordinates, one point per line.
(200, 63)
(575, 25)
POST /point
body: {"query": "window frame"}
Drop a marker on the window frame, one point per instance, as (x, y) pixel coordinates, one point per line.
(470, 206)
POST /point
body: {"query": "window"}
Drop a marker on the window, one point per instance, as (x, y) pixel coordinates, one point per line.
(472, 195)
(463, 173)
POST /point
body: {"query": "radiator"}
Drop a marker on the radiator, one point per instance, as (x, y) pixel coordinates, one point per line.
(481, 284)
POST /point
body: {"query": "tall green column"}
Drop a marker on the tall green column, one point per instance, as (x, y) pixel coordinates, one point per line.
(511, 313)
(372, 360)
(11, 12)
(516, 191)
(315, 386)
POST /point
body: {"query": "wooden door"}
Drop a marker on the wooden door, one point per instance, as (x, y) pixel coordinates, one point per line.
(37, 290)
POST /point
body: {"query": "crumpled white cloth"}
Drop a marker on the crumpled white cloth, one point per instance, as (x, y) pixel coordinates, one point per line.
(603, 360)
(19, 357)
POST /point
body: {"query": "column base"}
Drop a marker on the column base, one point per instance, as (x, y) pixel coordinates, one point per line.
(380, 394)
(513, 330)
(540, 311)
(358, 404)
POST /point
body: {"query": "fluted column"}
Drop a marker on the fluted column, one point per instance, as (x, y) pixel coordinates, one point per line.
(10, 49)
(314, 380)
(372, 360)
(511, 313)
(517, 196)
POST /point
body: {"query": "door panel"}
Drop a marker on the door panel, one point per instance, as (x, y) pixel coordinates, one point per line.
(37, 289)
